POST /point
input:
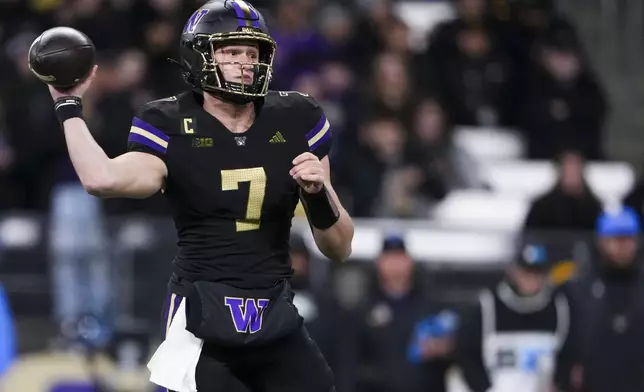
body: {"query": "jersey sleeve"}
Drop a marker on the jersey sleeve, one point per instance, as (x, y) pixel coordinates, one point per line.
(146, 134)
(319, 135)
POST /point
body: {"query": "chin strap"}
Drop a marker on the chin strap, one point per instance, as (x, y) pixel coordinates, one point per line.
(186, 75)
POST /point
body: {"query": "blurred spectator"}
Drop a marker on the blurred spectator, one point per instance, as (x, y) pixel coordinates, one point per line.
(511, 339)
(434, 166)
(95, 18)
(298, 41)
(373, 17)
(570, 204)
(532, 19)
(610, 310)
(432, 148)
(8, 194)
(380, 152)
(469, 68)
(337, 30)
(374, 355)
(563, 106)
(396, 40)
(82, 273)
(432, 346)
(391, 92)
(333, 86)
(443, 38)
(32, 138)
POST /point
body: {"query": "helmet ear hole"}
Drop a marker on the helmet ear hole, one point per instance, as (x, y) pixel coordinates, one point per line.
(201, 45)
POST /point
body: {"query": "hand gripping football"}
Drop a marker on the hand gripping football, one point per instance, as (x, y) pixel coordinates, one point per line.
(62, 57)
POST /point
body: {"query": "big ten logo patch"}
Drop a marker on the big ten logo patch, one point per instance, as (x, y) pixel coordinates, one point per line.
(201, 142)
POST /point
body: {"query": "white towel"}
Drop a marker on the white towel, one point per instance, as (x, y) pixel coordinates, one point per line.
(174, 364)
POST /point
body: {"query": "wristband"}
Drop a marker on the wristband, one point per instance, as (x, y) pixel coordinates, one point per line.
(320, 208)
(68, 107)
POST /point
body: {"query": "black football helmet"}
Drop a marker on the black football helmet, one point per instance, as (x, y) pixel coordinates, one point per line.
(223, 22)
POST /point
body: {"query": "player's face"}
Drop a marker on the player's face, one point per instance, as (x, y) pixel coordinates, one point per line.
(236, 62)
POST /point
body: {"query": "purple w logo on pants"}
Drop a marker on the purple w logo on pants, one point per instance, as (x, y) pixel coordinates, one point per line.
(247, 313)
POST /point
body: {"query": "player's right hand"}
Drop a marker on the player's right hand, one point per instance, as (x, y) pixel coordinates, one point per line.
(77, 91)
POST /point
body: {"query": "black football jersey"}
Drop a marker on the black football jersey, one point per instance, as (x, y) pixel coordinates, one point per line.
(231, 193)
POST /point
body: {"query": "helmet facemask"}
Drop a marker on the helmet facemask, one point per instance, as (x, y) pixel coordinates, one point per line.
(212, 78)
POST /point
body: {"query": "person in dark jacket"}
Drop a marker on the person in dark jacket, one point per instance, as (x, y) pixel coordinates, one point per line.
(609, 303)
(399, 340)
(570, 204)
(564, 103)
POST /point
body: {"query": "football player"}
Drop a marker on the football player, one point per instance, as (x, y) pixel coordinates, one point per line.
(233, 159)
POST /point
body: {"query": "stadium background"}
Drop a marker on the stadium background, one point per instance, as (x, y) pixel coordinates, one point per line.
(447, 127)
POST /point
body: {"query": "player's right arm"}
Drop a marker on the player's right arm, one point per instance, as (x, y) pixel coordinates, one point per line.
(135, 174)
(131, 175)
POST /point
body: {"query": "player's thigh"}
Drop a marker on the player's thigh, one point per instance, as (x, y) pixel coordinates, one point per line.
(214, 375)
(297, 366)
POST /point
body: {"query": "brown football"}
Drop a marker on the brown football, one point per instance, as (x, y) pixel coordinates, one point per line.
(62, 57)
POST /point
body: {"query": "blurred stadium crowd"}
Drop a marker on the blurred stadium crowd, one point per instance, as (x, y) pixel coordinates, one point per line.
(394, 103)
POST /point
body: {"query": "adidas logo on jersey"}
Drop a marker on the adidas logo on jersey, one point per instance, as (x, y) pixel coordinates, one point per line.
(277, 138)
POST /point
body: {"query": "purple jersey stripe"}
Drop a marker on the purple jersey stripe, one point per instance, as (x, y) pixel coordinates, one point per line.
(318, 127)
(170, 310)
(324, 138)
(240, 14)
(177, 302)
(137, 122)
(136, 138)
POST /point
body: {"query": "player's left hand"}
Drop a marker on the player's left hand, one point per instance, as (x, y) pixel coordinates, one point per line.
(309, 172)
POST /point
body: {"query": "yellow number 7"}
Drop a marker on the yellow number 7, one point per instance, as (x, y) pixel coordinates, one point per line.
(256, 177)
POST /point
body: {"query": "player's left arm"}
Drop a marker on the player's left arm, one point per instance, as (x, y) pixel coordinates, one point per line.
(331, 224)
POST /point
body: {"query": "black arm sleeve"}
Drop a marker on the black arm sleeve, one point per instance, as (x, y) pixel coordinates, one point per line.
(469, 350)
